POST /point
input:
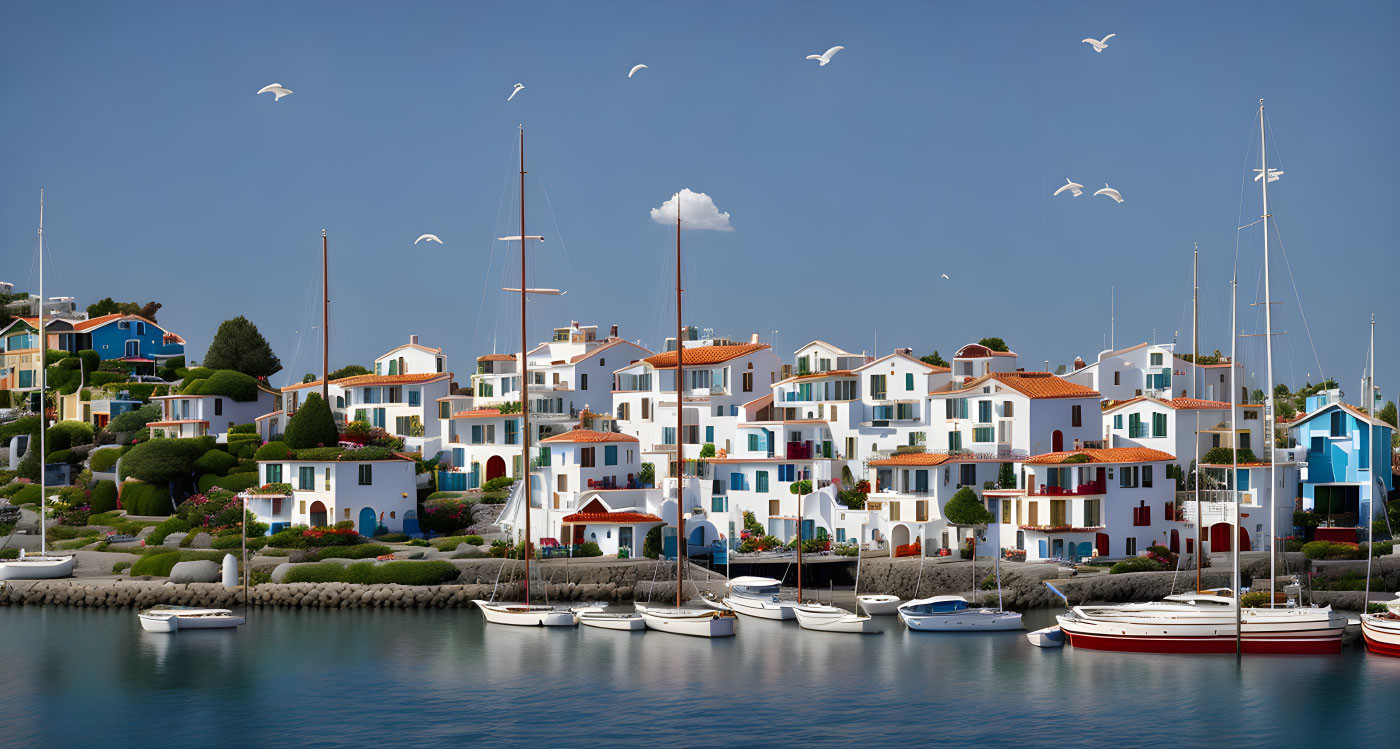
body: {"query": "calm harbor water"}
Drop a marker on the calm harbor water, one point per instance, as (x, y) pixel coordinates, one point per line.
(435, 677)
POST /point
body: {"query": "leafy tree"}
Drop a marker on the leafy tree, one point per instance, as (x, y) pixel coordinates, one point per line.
(751, 524)
(1006, 476)
(149, 310)
(312, 425)
(995, 344)
(1223, 456)
(133, 420)
(308, 377)
(800, 487)
(934, 359)
(1281, 390)
(707, 450)
(239, 346)
(349, 370)
(108, 306)
(965, 509)
(651, 545)
(1387, 414)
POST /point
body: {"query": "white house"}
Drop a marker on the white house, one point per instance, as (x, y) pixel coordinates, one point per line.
(975, 360)
(1153, 370)
(198, 415)
(910, 489)
(370, 493)
(571, 371)
(272, 423)
(1013, 415)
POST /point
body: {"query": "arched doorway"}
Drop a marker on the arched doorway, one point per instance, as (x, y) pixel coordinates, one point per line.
(410, 523)
(318, 514)
(1057, 441)
(1220, 538)
(899, 535)
(368, 522)
(495, 467)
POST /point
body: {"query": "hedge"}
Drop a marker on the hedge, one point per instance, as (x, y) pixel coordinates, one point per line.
(215, 461)
(1332, 550)
(156, 564)
(450, 543)
(276, 450)
(435, 572)
(243, 429)
(197, 373)
(61, 456)
(242, 468)
(1136, 564)
(322, 572)
(225, 382)
(160, 460)
(28, 495)
(66, 434)
(234, 482)
(104, 497)
(22, 425)
(104, 461)
(244, 449)
(165, 528)
(357, 551)
(132, 420)
(140, 498)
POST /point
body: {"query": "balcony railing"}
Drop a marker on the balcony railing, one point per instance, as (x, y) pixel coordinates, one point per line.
(1080, 490)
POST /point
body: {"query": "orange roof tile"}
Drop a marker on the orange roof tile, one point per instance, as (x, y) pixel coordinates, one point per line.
(1105, 455)
(1196, 404)
(611, 517)
(496, 357)
(104, 319)
(1032, 385)
(913, 459)
(401, 379)
(589, 435)
(978, 351)
(702, 355)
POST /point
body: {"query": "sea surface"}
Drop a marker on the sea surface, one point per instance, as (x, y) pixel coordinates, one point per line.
(309, 678)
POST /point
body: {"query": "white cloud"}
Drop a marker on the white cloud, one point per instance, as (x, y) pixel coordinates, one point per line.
(698, 211)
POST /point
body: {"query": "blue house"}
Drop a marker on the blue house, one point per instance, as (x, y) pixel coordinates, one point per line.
(1347, 457)
(118, 336)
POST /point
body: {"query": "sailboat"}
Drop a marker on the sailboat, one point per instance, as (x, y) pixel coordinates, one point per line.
(830, 618)
(1212, 621)
(41, 566)
(706, 622)
(525, 614)
(949, 613)
(1381, 632)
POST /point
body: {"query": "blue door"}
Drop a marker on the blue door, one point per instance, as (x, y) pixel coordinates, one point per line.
(368, 522)
(1041, 545)
(1057, 548)
(668, 542)
(410, 523)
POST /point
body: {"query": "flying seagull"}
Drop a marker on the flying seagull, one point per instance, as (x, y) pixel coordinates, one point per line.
(428, 237)
(1099, 45)
(825, 57)
(1110, 192)
(634, 69)
(278, 91)
(1074, 188)
(1274, 174)
(518, 88)
(945, 277)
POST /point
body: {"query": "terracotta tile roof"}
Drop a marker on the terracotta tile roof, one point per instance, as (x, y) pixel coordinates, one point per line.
(304, 385)
(978, 351)
(1031, 385)
(589, 435)
(1105, 455)
(919, 362)
(913, 459)
(611, 517)
(496, 357)
(104, 319)
(413, 345)
(612, 342)
(702, 355)
(401, 379)
(1192, 404)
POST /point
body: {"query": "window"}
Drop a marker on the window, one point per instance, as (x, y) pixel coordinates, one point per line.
(736, 481)
(1128, 477)
(1074, 416)
(1156, 360)
(646, 409)
(586, 457)
(668, 435)
(717, 503)
(983, 434)
(787, 472)
(1117, 378)
(273, 473)
(967, 474)
(954, 441)
(1057, 512)
(563, 483)
(1339, 427)
(306, 478)
(610, 455)
(1142, 514)
(415, 397)
(326, 479)
(512, 431)
(366, 474)
(476, 434)
(748, 382)
(921, 482)
(1118, 421)
(774, 506)
(908, 380)
(1146, 477)
(1091, 513)
(761, 481)
(754, 444)
(984, 412)
(445, 410)
(692, 434)
(1251, 416)
(877, 387)
(1159, 425)
(1130, 546)
(218, 406)
(1008, 409)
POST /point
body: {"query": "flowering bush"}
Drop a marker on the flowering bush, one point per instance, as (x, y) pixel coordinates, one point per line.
(218, 510)
(330, 536)
(71, 507)
(275, 487)
(445, 517)
(1162, 555)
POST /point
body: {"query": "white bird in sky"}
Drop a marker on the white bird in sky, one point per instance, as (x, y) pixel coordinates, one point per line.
(825, 57)
(428, 237)
(1110, 192)
(634, 69)
(518, 88)
(278, 91)
(945, 277)
(1074, 188)
(1099, 45)
(1274, 174)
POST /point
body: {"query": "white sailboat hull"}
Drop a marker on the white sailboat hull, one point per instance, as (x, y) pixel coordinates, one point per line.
(1048, 637)
(760, 608)
(878, 605)
(175, 618)
(158, 622)
(692, 622)
(970, 620)
(599, 619)
(1176, 627)
(521, 615)
(1381, 633)
(832, 619)
(36, 568)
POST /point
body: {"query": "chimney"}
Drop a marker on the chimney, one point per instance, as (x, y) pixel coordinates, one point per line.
(904, 351)
(1078, 363)
(612, 332)
(753, 338)
(413, 339)
(574, 324)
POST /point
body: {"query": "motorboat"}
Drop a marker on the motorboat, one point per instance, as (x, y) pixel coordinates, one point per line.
(684, 621)
(597, 616)
(175, 618)
(526, 615)
(758, 597)
(955, 614)
(1047, 637)
(879, 605)
(36, 567)
(1381, 632)
(823, 618)
(1204, 622)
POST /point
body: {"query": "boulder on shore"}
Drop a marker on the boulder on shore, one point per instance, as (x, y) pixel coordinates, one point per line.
(200, 571)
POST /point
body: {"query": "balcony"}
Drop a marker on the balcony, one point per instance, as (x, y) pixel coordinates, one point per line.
(1082, 490)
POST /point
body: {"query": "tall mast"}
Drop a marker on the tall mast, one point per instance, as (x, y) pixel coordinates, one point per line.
(325, 322)
(1371, 411)
(524, 376)
(680, 416)
(43, 393)
(1234, 474)
(1195, 358)
(1269, 359)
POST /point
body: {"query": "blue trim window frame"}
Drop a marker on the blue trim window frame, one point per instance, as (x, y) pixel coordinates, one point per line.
(760, 481)
(415, 397)
(272, 473)
(787, 472)
(709, 434)
(736, 481)
(610, 455)
(306, 478)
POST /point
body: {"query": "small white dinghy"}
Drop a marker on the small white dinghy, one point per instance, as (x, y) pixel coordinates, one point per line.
(1048, 637)
(954, 614)
(175, 618)
(758, 597)
(693, 622)
(596, 616)
(522, 615)
(878, 605)
(36, 567)
(822, 618)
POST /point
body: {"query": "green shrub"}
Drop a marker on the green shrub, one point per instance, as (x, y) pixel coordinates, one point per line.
(392, 538)
(139, 498)
(134, 420)
(1255, 600)
(104, 497)
(497, 484)
(1136, 564)
(271, 552)
(23, 425)
(156, 564)
(250, 467)
(160, 460)
(368, 452)
(435, 572)
(104, 461)
(165, 528)
(450, 543)
(318, 453)
(66, 434)
(61, 456)
(1331, 550)
(215, 461)
(28, 494)
(119, 567)
(224, 382)
(357, 551)
(323, 572)
(651, 544)
(1224, 456)
(417, 542)
(9, 553)
(244, 450)
(312, 425)
(288, 538)
(275, 450)
(443, 495)
(196, 373)
(234, 482)
(590, 549)
(243, 429)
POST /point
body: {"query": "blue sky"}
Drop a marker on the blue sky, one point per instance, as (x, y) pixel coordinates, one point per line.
(930, 145)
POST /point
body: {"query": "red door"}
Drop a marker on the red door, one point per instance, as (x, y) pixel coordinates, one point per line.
(1175, 543)
(1057, 441)
(1220, 537)
(1101, 542)
(495, 467)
